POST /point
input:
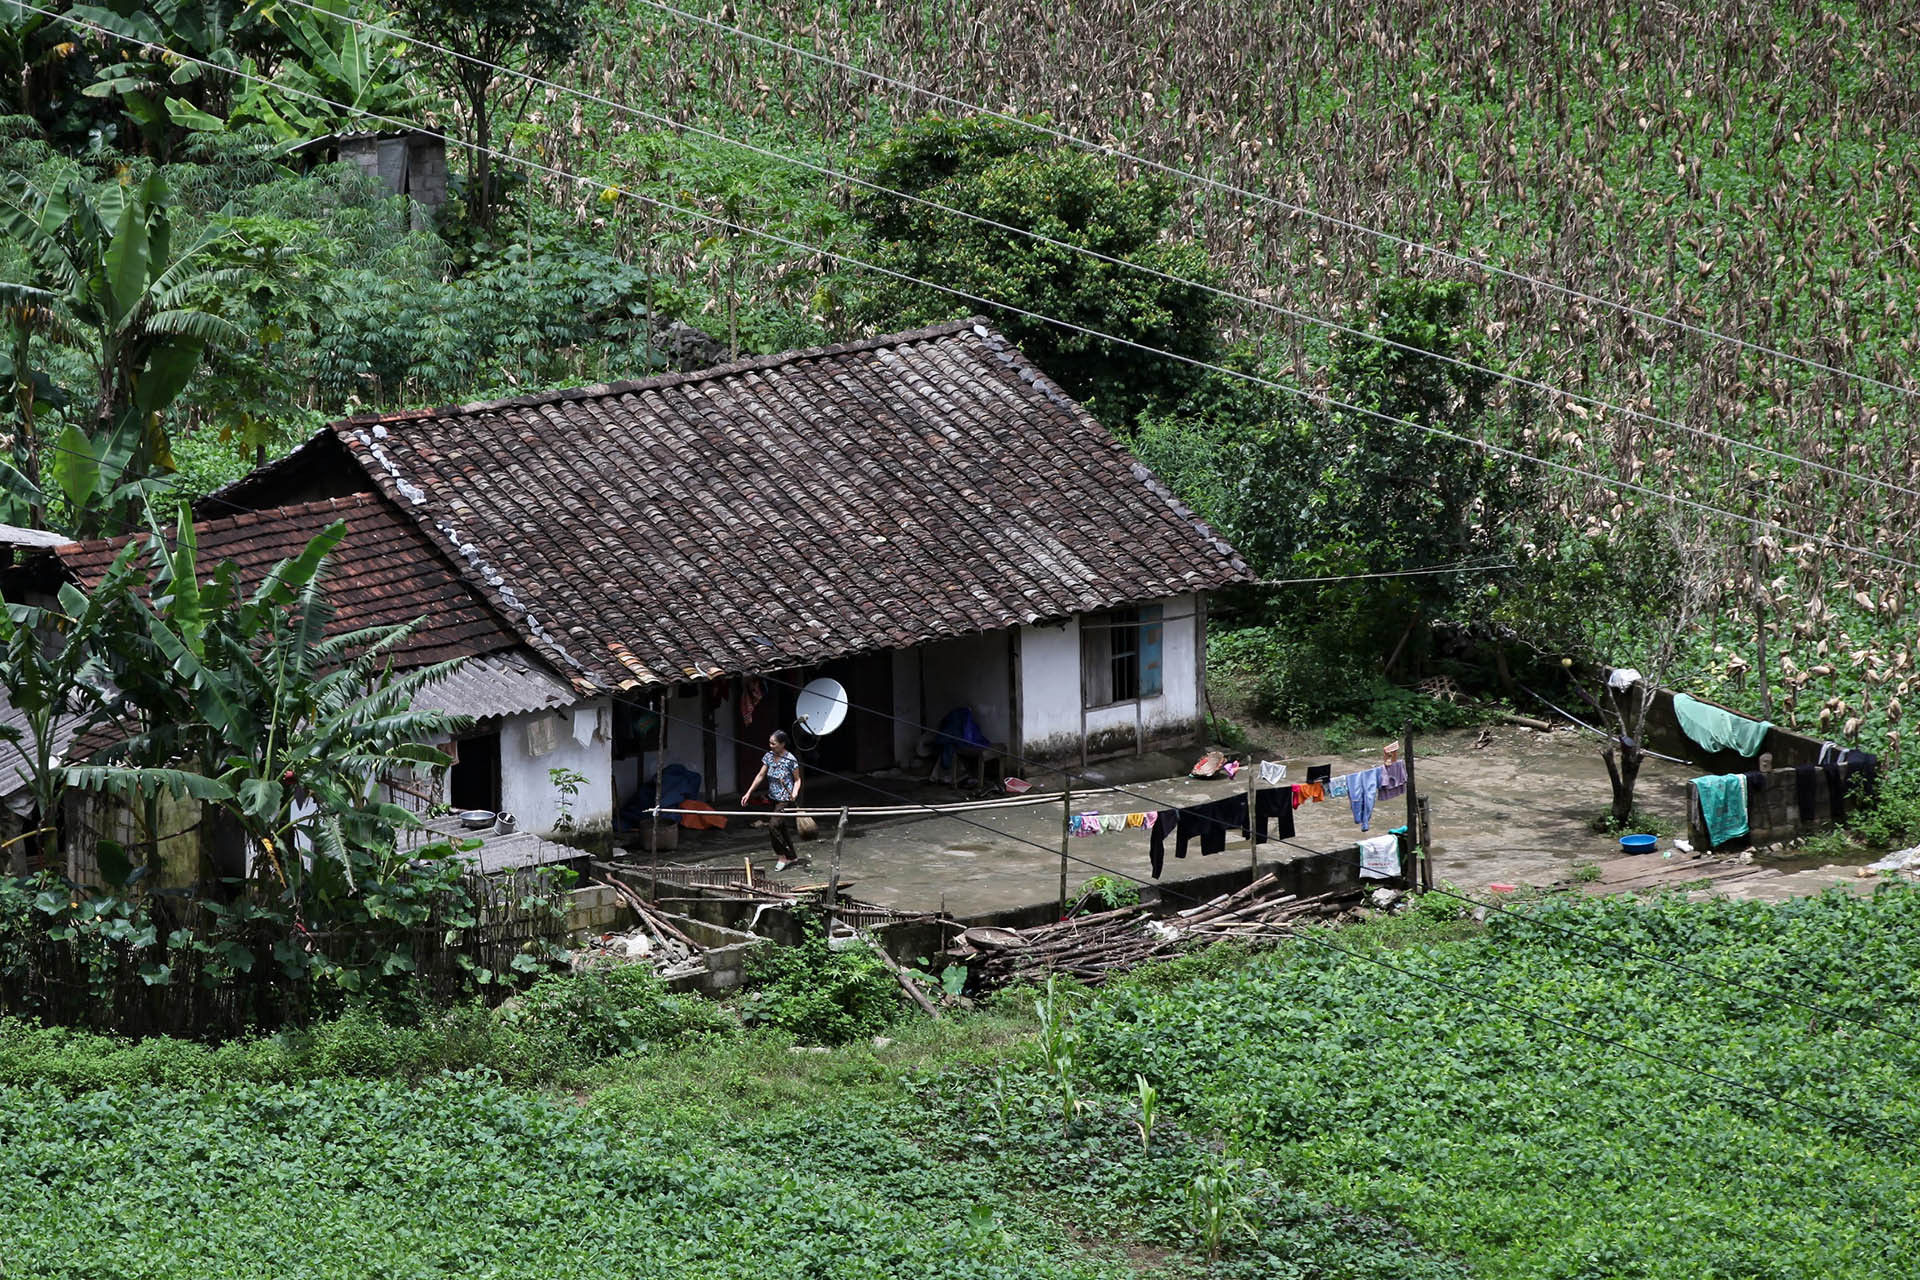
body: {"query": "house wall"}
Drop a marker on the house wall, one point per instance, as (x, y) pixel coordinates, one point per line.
(1050, 688)
(906, 707)
(970, 671)
(529, 794)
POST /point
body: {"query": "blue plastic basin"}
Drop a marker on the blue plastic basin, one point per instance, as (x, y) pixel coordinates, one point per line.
(1638, 844)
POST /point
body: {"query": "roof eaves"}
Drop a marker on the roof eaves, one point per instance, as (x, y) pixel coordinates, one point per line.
(1013, 358)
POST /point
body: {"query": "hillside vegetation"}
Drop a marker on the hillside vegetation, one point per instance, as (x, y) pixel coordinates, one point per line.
(1753, 173)
(1417, 1099)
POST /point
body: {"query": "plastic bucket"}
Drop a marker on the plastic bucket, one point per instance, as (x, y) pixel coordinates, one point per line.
(1638, 844)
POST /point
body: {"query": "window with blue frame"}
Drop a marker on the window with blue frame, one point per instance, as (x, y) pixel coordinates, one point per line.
(1120, 655)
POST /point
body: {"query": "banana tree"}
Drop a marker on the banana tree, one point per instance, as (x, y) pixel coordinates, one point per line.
(167, 48)
(344, 74)
(103, 274)
(59, 687)
(293, 729)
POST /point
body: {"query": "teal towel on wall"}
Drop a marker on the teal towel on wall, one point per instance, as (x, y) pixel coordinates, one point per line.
(1723, 806)
(1718, 729)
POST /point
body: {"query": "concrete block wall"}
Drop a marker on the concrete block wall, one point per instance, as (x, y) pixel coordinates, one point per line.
(596, 909)
(1773, 816)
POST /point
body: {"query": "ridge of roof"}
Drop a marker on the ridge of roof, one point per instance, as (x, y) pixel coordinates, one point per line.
(240, 520)
(665, 381)
(1009, 353)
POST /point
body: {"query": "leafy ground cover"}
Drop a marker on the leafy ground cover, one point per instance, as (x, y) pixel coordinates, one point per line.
(735, 1158)
(1307, 1114)
(1536, 1151)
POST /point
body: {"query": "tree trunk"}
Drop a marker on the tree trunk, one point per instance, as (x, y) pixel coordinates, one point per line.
(1622, 773)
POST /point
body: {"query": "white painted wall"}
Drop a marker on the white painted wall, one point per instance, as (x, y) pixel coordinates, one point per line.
(529, 794)
(1050, 684)
(971, 671)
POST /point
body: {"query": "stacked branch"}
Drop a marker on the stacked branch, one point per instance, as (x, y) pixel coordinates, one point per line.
(654, 940)
(1096, 947)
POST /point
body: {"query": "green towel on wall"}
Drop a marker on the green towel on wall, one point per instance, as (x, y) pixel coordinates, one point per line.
(1718, 729)
(1723, 806)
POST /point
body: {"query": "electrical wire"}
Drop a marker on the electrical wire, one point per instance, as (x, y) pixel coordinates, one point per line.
(1320, 398)
(1742, 1089)
(1110, 259)
(1025, 765)
(1304, 211)
(1328, 401)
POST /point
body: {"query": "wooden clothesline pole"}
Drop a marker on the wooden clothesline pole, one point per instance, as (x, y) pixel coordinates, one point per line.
(1066, 823)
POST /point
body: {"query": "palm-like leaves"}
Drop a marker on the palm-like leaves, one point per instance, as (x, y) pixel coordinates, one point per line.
(287, 728)
(106, 275)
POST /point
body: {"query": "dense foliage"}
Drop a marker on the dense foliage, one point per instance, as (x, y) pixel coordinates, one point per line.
(1538, 1151)
(1360, 1121)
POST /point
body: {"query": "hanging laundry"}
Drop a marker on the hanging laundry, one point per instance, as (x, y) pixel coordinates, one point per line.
(1110, 822)
(1160, 825)
(1319, 772)
(1210, 821)
(1137, 820)
(1717, 729)
(1273, 806)
(1299, 791)
(1390, 753)
(1272, 772)
(1362, 789)
(1337, 789)
(1316, 791)
(1723, 806)
(1393, 780)
(1084, 824)
(1380, 858)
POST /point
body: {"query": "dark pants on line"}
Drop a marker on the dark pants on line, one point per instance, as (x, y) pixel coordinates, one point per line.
(780, 831)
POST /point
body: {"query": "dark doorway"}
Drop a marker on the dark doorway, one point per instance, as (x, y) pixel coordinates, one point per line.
(474, 780)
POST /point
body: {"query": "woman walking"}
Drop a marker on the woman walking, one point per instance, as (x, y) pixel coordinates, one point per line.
(780, 770)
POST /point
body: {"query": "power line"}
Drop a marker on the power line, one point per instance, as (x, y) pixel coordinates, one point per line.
(1113, 260)
(1025, 765)
(1743, 1089)
(1304, 211)
(1271, 384)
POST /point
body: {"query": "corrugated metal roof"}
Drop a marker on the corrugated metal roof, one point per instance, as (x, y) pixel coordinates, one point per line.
(500, 684)
(13, 758)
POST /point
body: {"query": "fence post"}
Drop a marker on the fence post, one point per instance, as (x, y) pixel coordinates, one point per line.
(1066, 821)
(833, 877)
(1253, 847)
(1413, 811)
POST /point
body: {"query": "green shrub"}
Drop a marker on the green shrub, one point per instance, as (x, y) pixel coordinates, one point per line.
(567, 1021)
(819, 995)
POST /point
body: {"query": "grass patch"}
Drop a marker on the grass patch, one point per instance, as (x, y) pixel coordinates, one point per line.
(1532, 1151)
(1639, 822)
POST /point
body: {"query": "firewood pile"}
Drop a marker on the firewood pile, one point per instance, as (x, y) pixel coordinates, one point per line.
(1096, 947)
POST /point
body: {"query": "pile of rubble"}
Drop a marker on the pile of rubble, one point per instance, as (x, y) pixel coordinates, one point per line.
(655, 941)
(1096, 947)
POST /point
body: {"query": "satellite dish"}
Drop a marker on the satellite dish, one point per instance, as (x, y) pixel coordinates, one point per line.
(820, 709)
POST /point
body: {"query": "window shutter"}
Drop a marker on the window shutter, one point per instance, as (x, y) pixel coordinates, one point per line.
(1150, 647)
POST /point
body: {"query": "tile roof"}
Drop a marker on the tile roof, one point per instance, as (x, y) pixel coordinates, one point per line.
(790, 509)
(385, 571)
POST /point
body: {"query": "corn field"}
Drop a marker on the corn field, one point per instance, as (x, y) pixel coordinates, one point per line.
(1748, 169)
